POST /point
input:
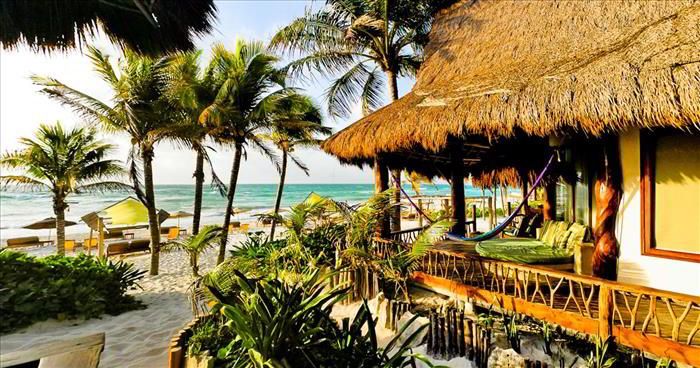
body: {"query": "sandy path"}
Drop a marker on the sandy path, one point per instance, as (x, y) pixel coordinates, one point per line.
(137, 338)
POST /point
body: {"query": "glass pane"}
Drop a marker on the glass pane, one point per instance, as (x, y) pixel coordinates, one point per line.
(582, 195)
(564, 202)
(677, 193)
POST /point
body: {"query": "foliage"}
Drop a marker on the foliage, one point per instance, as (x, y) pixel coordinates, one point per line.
(282, 324)
(208, 336)
(36, 289)
(599, 357)
(195, 245)
(512, 331)
(547, 338)
(256, 256)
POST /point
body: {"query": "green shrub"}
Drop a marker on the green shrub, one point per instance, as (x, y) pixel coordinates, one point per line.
(36, 289)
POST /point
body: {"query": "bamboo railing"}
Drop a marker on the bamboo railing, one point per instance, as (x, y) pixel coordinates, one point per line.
(659, 322)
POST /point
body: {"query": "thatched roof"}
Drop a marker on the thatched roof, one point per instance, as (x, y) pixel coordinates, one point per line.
(505, 68)
(144, 26)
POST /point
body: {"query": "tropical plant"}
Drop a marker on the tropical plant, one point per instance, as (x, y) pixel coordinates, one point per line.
(189, 91)
(248, 89)
(35, 289)
(512, 331)
(295, 124)
(196, 244)
(599, 357)
(63, 162)
(547, 338)
(361, 40)
(138, 109)
(147, 26)
(397, 268)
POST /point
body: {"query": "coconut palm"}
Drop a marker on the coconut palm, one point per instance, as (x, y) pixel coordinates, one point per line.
(295, 125)
(195, 244)
(248, 90)
(370, 43)
(143, 25)
(187, 89)
(138, 109)
(63, 162)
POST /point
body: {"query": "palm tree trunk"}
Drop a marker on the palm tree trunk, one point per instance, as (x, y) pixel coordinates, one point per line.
(395, 174)
(153, 222)
(198, 184)
(59, 209)
(280, 190)
(229, 196)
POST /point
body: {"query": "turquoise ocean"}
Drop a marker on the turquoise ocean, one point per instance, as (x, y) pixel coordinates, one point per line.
(21, 208)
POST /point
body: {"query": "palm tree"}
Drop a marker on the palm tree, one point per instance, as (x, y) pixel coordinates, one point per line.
(248, 90)
(188, 90)
(371, 42)
(195, 244)
(63, 162)
(295, 125)
(138, 109)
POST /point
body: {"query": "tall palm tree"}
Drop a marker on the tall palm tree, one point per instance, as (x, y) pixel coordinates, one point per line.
(370, 43)
(63, 162)
(248, 90)
(138, 109)
(295, 125)
(189, 91)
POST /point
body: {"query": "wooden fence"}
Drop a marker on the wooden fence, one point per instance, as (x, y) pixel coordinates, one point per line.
(659, 322)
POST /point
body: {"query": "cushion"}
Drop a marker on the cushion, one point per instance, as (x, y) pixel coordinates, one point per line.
(545, 225)
(578, 235)
(553, 231)
(523, 250)
(561, 239)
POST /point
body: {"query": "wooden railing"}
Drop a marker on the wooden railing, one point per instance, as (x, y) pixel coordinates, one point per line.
(663, 323)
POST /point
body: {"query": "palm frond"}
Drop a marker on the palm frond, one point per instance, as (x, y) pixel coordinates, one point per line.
(104, 187)
(23, 183)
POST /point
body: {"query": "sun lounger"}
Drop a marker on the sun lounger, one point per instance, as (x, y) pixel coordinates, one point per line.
(69, 245)
(81, 352)
(28, 241)
(128, 246)
(173, 233)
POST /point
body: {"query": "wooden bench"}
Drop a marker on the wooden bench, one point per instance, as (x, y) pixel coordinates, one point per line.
(81, 352)
(27, 241)
(128, 246)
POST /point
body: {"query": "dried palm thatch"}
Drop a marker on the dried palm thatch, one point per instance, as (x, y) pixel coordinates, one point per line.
(146, 26)
(502, 68)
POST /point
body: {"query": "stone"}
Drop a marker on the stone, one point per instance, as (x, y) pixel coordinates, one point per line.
(508, 358)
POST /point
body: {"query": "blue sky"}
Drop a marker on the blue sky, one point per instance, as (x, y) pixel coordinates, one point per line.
(22, 109)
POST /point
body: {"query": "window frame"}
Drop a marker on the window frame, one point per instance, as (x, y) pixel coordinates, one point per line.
(647, 146)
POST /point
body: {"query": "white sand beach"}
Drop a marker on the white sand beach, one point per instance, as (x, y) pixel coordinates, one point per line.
(137, 338)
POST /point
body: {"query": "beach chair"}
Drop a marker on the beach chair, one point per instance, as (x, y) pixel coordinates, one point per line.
(27, 241)
(69, 246)
(173, 233)
(89, 243)
(81, 352)
(128, 246)
(245, 228)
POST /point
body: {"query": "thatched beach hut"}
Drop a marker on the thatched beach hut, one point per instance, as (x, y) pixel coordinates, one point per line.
(614, 85)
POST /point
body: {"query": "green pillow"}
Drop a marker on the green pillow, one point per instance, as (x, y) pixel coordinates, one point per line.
(578, 235)
(553, 232)
(561, 239)
(545, 227)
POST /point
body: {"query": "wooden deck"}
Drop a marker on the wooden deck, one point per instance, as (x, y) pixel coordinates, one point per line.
(659, 322)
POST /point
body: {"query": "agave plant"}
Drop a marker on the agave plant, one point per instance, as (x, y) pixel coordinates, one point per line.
(195, 245)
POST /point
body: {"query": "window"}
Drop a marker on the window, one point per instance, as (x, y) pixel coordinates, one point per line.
(670, 189)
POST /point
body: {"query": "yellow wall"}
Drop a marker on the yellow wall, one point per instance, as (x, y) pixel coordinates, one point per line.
(660, 273)
(677, 202)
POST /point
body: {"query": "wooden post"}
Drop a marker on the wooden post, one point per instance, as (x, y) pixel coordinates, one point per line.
(550, 197)
(457, 193)
(381, 184)
(605, 312)
(420, 209)
(473, 218)
(608, 190)
(100, 238)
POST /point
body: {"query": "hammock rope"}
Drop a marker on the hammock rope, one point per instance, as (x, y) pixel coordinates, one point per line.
(498, 229)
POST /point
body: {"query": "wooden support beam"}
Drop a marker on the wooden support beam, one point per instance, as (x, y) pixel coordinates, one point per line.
(457, 188)
(608, 191)
(381, 184)
(550, 196)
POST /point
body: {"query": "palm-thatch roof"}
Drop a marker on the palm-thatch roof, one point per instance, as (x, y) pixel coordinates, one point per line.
(496, 69)
(142, 25)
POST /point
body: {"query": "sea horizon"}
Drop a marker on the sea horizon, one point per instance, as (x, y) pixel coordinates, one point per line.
(18, 208)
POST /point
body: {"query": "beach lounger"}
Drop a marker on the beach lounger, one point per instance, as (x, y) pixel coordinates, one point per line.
(81, 352)
(28, 241)
(244, 228)
(173, 233)
(128, 246)
(69, 245)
